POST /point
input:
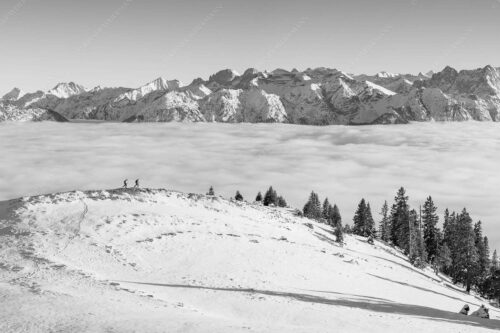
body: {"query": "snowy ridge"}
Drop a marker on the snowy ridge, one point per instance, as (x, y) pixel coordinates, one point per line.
(319, 96)
(385, 74)
(156, 260)
(160, 84)
(65, 90)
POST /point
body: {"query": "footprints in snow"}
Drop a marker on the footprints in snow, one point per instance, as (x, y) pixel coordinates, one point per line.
(119, 257)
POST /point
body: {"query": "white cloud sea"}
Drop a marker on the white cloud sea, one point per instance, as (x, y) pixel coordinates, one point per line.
(457, 163)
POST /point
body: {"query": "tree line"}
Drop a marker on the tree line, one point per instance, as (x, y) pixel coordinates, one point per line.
(325, 213)
(459, 249)
(270, 198)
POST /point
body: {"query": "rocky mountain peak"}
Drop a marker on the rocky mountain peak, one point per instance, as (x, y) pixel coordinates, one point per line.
(224, 76)
(66, 89)
(13, 95)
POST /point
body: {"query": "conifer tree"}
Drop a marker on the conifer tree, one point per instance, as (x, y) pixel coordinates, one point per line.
(384, 226)
(339, 234)
(429, 221)
(211, 191)
(464, 252)
(238, 196)
(258, 198)
(281, 202)
(317, 207)
(400, 221)
(449, 236)
(492, 285)
(359, 219)
(326, 210)
(482, 267)
(494, 261)
(271, 197)
(418, 251)
(486, 253)
(369, 222)
(312, 209)
(448, 227)
(335, 217)
(443, 258)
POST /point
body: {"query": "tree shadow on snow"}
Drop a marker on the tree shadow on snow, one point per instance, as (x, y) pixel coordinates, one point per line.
(324, 238)
(330, 241)
(419, 288)
(362, 303)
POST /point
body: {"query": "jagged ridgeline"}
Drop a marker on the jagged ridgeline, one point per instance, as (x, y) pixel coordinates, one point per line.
(319, 96)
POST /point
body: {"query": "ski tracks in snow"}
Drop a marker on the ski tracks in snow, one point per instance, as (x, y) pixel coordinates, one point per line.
(78, 227)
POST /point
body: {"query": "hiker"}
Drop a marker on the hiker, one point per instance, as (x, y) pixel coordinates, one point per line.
(125, 183)
(465, 310)
(482, 312)
(136, 183)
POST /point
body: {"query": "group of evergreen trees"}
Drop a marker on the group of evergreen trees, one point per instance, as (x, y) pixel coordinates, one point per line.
(364, 225)
(325, 213)
(459, 250)
(271, 198)
(469, 254)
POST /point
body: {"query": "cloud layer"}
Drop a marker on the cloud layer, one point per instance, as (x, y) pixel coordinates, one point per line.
(456, 163)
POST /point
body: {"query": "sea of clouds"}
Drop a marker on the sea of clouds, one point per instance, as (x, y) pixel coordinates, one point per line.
(457, 163)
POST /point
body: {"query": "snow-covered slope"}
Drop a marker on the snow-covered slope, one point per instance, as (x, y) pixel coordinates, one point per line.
(400, 84)
(65, 90)
(253, 105)
(12, 113)
(163, 261)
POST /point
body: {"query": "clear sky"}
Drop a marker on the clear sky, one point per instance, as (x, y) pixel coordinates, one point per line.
(130, 42)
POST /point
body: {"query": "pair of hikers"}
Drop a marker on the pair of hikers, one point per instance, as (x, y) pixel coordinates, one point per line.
(125, 185)
(482, 312)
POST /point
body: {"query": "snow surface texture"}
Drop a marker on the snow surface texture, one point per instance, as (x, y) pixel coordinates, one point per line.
(319, 96)
(163, 261)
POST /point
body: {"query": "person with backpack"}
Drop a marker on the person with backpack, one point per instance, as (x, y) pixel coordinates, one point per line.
(465, 310)
(125, 185)
(482, 312)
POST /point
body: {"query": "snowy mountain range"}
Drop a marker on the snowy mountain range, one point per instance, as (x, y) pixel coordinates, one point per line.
(153, 260)
(319, 96)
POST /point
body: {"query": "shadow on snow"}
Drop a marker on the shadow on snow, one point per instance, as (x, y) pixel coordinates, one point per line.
(362, 303)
